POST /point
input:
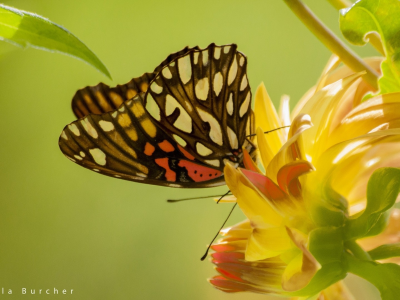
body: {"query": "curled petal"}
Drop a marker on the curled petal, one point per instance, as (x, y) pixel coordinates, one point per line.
(302, 268)
(326, 109)
(249, 163)
(378, 113)
(292, 149)
(288, 176)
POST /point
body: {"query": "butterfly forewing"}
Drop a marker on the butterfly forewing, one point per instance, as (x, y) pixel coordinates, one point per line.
(203, 99)
(103, 98)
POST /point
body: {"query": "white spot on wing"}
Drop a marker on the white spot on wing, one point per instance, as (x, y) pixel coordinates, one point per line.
(98, 156)
(122, 108)
(229, 105)
(244, 83)
(64, 136)
(245, 105)
(167, 73)
(82, 154)
(213, 162)
(241, 61)
(205, 57)
(180, 140)
(232, 71)
(114, 114)
(184, 121)
(218, 83)
(78, 157)
(217, 52)
(156, 88)
(89, 128)
(185, 69)
(74, 129)
(203, 150)
(233, 140)
(152, 107)
(96, 170)
(196, 57)
(71, 159)
(106, 126)
(202, 88)
(226, 49)
(215, 128)
(117, 176)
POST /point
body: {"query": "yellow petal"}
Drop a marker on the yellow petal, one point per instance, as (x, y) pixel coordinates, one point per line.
(284, 115)
(259, 211)
(267, 118)
(292, 149)
(266, 243)
(324, 108)
(357, 159)
(332, 64)
(302, 268)
(264, 148)
(378, 113)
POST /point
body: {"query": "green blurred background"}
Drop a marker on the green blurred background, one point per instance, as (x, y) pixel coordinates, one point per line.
(66, 227)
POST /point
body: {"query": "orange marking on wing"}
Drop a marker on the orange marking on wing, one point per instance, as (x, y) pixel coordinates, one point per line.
(149, 149)
(199, 173)
(166, 146)
(184, 152)
(169, 174)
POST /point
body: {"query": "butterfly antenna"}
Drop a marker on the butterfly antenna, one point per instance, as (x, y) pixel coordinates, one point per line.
(254, 134)
(227, 193)
(209, 246)
(195, 198)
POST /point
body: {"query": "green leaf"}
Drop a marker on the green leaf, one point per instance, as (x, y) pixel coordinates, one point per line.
(382, 17)
(382, 191)
(386, 277)
(385, 251)
(27, 29)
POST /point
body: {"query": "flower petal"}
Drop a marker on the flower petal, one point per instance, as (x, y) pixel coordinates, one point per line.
(302, 268)
(267, 118)
(292, 149)
(266, 243)
(259, 211)
(288, 176)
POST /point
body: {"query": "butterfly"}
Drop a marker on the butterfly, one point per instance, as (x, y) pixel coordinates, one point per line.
(177, 126)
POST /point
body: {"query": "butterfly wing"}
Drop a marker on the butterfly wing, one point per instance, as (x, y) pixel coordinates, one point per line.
(196, 116)
(128, 144)
(203, 98)
(103, 98)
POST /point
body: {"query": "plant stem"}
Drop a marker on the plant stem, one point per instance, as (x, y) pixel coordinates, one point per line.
(357, 250)
(339, 4)
(374, 39)
(332, 42)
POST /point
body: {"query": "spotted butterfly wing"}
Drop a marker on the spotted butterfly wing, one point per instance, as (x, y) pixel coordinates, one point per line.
(179, 132)
(102, 98)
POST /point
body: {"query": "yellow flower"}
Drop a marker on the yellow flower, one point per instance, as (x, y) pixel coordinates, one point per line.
(311, 175)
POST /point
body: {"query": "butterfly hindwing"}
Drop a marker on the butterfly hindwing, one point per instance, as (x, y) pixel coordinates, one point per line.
(127, 143)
